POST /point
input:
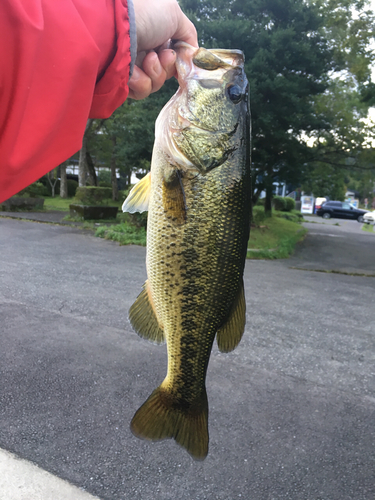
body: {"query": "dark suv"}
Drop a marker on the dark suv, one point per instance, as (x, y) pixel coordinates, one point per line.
(340, 210)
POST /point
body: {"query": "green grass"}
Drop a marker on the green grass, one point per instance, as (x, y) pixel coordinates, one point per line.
(62, 204)
(120, 229)
(273, 237)
(124, 233)
(368, 227)
(57, 203)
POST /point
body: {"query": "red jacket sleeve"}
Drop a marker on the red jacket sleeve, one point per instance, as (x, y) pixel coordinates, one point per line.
(61, 62)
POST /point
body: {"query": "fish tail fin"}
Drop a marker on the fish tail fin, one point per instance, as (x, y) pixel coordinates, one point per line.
(161, 417)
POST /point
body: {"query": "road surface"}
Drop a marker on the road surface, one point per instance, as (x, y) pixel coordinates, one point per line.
(291, 409)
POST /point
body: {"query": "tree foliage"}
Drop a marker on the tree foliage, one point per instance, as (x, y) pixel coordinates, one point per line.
(127, 137)
(348, 26)
(344, 146)
(325, 180)
(304, 61)
(287, 63)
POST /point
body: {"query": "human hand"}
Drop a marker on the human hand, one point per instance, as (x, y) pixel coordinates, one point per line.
(157, 22)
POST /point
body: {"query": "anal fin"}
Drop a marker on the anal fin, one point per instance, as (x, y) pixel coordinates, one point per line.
(229, 335)
(143, 318)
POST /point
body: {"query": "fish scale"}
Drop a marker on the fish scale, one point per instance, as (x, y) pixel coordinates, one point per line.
(198, 227)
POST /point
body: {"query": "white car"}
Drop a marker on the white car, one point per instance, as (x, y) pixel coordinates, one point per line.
(369, 218)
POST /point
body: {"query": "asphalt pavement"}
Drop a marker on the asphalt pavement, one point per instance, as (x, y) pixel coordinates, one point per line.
(292, 409)
(336, 245)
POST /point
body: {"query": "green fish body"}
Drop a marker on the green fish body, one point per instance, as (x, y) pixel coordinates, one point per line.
(198, 201)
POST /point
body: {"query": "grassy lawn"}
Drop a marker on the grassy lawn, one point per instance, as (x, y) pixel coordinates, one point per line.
(57, 203)
(274, 237)
(124, 233)
(129, 229)
(368, 227)
(121, 229)
(270, 238)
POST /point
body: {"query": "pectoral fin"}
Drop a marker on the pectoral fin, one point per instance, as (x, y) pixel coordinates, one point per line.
(229, 335)
(138, 198)
(174, 201)
(143, 318)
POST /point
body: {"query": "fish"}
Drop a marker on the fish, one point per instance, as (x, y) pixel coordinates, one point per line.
(198, 197)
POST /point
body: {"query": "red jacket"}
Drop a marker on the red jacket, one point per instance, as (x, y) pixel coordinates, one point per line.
(61, 62)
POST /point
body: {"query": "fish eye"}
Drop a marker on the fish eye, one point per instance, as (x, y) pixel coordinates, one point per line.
(234, 93)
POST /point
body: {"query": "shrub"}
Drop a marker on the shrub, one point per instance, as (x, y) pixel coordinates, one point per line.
(290, 204)
(279, 203)
(258, 215)
(104, 177)
(92, 195)
(298, 214)
(122, 195)
(138, 220)
(35, 190)
(72, 187)
(289, 216)
(283, 204)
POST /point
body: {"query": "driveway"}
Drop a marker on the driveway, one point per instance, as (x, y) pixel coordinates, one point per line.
(336, 245)
(292, 409)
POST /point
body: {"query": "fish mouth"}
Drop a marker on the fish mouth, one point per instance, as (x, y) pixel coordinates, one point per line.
(211, 59)
(212, 69)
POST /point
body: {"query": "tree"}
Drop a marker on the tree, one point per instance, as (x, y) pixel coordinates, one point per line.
(325, 180)
(52, 177)
(124, 142)
(343, 145)
(113, 170)
(293, 48)
(304, 61)
(63, 181)
(82, 165)
(287, 63)
(348, 25)
(90, 168)
(362, 180)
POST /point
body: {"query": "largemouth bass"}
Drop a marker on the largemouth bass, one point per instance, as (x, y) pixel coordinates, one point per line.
(198, 200)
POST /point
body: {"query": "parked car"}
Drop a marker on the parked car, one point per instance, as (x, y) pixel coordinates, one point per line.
(340, 210)
(319, 202)
(369, 217)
